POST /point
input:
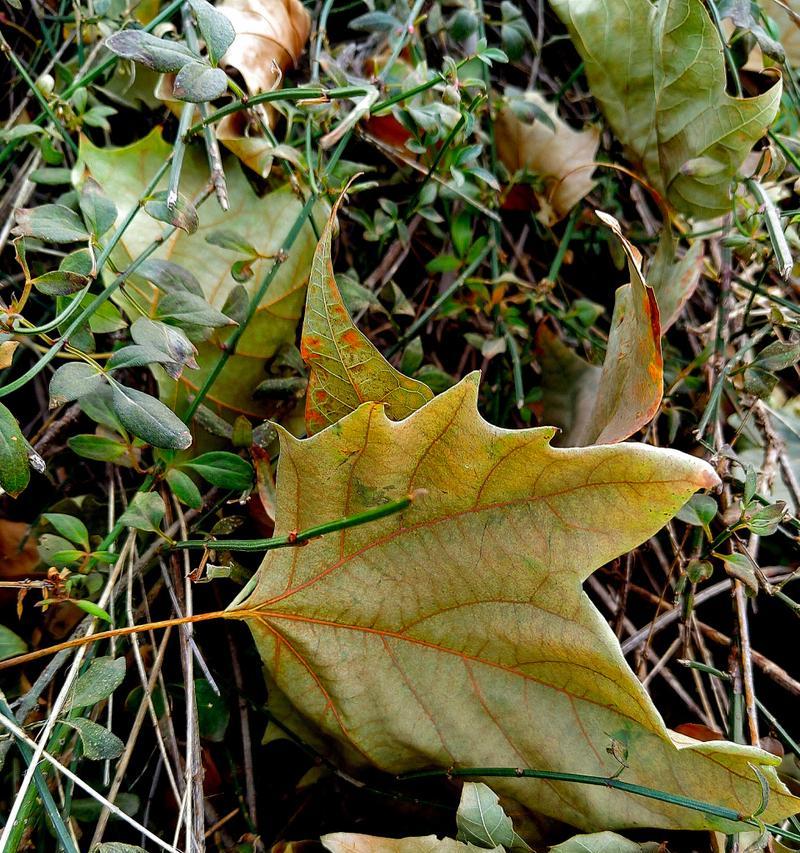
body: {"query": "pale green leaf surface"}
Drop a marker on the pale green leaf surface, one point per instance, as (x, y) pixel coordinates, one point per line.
(263, 222)
(445, 634)
(658, 72)
(345, 369)
(602, 842)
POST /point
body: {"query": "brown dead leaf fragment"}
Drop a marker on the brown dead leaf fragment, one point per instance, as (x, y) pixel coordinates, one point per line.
(563, 157)
(270, 37)
(594, 405)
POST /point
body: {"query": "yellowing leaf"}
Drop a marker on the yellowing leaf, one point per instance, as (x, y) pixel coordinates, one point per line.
(595, 405)
(658, 72)
(456, 633)
(345, 368)
(263, 222)
(353, 842)
(563, 157)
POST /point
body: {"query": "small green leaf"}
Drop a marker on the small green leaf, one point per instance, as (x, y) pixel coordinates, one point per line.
(68, 557)
(699, 511)
(183, 215)
(99, 681)
(156, 53)
(70, 527)
(216, 29)
(699, 570)
(778, 355)
(97, 447)
(149, 419)
(137, 355)
(72, 381)
(51, 546)
(184, 488)
(10, 644)
(99, 744)
(169, 276)
(766, 521)
(170, 340)
(53, 223)
(20, 131)
(741, 567)
(481, 819)
(225, 238)
(99, 211)
(145, 512)
(197, 83)
(14, 469)
(59, 283)
(213, 714)
(226, 470)
(185, 308)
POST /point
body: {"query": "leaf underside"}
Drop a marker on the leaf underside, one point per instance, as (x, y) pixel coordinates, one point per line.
(658, 72)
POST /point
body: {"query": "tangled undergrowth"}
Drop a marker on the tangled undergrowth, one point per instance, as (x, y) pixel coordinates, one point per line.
(400, 426)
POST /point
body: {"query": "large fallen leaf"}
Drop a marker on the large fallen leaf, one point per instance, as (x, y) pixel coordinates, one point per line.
(345, 369)
(594, 405)
(564, 158)
(457, 633)
(263, 222)
(658, 72)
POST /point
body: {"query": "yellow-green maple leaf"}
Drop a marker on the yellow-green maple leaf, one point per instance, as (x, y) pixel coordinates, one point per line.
(457, 632)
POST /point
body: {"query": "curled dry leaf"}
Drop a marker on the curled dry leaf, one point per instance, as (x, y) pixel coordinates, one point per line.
(345, 369)
(658, 72)
(470, 620)
(270, 37)
(594, 405)
(563, 157)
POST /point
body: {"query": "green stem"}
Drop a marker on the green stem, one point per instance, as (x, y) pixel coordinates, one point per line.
(604, 782)
(319, 530)
(294, 539)
(178, 150)
(60, 829)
